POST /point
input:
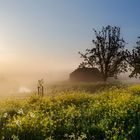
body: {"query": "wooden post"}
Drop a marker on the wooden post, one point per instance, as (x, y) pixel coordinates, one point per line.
(40, 87)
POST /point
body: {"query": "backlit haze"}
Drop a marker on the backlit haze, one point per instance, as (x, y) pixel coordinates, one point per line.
(42, 38)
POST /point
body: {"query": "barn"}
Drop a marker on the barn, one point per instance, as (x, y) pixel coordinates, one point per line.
(85, 75)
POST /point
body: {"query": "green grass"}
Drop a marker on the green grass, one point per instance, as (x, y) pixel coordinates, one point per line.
(112, 113)
(68, 87)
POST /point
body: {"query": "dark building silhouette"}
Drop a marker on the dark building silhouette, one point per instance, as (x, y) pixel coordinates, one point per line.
(85, 75)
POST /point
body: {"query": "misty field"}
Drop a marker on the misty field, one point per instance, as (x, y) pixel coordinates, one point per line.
(78, 112)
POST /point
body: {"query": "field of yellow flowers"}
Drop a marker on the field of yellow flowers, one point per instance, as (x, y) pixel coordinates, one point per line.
(110, 114)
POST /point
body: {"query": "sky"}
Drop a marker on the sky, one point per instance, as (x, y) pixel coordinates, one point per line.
(44, 36)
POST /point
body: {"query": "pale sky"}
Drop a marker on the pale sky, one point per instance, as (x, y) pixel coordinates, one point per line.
(46, 35)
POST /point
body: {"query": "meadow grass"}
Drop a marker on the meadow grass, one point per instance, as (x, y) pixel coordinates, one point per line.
(68, 87)
(112, 113)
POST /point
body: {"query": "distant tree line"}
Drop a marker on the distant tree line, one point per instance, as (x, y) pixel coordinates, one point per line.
(110, 55)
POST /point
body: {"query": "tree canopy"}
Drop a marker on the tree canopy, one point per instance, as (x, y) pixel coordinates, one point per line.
(107, 54)
(133, 59)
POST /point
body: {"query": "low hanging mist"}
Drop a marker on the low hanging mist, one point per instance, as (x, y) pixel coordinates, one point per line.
(26, 83)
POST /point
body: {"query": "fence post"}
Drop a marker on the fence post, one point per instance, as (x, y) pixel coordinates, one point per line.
(40, 87)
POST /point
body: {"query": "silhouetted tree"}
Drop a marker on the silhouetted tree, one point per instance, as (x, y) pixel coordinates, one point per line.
(107, 54)
(133, 59)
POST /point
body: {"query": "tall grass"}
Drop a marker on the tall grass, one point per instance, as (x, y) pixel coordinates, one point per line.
(68, 87)
(110, 114)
